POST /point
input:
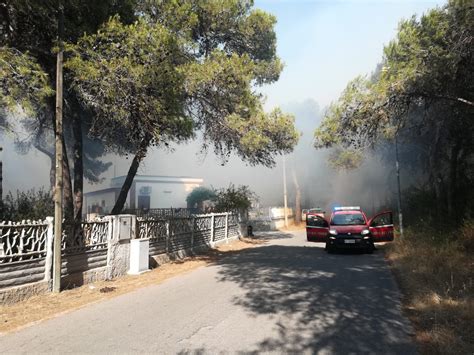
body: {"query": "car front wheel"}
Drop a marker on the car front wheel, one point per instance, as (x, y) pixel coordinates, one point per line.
(329, 248)
(370, 249)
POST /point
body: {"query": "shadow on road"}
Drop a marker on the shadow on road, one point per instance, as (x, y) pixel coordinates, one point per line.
(341, 303)
(272, 236)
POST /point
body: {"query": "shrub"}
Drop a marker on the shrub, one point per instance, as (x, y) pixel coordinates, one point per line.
(30, 204)
(238, 199)
(198, 196)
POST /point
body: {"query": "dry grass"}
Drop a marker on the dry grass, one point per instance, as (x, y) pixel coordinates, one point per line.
(435, 273)
(39, 308)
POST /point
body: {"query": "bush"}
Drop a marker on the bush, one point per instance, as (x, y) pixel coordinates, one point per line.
(30, 204)
(237, 199)
(198, 196)
(466, 236)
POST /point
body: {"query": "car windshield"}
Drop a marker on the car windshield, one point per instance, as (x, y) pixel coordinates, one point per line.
(348, 219)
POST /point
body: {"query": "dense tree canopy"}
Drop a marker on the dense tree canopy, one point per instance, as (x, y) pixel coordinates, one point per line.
(423, 93)
(430, 62)
(28, 41)
(141, 73)
(184, 67)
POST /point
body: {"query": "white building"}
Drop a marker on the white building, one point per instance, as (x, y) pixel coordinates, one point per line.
(146, 192)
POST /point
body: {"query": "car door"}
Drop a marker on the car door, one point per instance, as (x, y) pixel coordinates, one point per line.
(381, 227)
(317, 228)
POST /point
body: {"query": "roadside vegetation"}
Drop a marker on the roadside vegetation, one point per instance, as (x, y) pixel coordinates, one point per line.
(237, 199)
(27, 205)
(435, 271)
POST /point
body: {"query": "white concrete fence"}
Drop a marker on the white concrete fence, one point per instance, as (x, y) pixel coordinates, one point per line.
(99, 250)
(270, 218)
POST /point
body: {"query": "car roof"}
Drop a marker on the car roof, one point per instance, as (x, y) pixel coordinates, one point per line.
(348, 212)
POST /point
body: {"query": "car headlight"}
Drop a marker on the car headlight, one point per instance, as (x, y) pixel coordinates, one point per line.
(333, 232)
(365, 232)
(332, 238)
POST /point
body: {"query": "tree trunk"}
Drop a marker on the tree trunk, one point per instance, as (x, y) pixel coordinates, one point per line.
(297, 199)
(452, 183)
(52, 167)
(434, 159)
(67, 187)
(78, 168)
(132, 171)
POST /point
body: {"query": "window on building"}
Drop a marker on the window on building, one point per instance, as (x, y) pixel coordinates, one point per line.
(143, 202)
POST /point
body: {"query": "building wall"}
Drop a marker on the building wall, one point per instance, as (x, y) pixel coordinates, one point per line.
(164, 194)
(105, 200)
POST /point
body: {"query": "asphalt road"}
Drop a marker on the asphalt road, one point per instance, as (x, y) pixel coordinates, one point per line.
(287, 296)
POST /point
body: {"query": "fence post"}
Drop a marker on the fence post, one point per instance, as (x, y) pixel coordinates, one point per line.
(110, 237)
(168, 236)
(212, 228)
(49, 249)
(227, 227)
(192, 232)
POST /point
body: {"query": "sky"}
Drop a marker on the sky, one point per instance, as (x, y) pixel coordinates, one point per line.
(324, 44)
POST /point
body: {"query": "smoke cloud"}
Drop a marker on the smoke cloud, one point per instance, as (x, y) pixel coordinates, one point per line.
(319, 183)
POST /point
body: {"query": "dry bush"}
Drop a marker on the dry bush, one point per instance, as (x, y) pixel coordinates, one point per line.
(435, 270)
(466, 236)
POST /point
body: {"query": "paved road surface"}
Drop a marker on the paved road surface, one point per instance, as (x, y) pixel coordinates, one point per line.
(287, 296)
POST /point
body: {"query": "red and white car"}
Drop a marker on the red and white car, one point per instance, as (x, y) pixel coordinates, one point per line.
(349, 228)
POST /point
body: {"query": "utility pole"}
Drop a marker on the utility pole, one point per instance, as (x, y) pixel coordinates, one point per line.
(400, 215)
(1, 179)
(58, 190)
(284, 192)
(297, 212)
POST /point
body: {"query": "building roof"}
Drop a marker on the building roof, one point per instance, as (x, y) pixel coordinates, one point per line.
(119, 180)
(98, 192)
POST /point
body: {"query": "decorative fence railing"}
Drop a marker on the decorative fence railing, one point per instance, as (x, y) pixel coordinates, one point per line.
(175, 234)
(22, 241)
(163, 212)
(85, 236)
(98, 248)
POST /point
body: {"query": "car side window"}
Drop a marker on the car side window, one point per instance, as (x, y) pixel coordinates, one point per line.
(316, 221)
(382, 220)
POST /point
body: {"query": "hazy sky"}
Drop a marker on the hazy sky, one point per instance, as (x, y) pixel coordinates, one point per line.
(324, 44)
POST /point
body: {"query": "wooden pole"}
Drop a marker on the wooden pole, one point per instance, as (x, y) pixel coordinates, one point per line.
(58, 191)
(1, 180)
(297, 213)
(285, 199)
(399, 199)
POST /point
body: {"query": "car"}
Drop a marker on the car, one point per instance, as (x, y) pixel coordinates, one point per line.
(349, 228)
(314, 217)
(305, 212)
